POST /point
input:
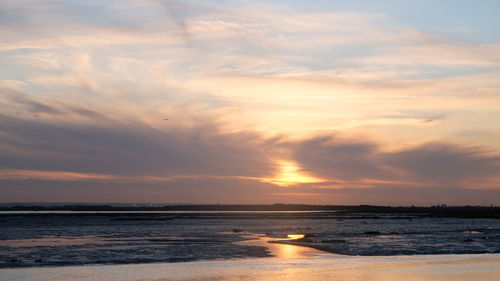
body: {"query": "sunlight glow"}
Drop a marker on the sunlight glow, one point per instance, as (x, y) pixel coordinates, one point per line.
(295, 236)
(290, 174)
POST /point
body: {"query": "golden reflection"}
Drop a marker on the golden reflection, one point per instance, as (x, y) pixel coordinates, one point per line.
(285, 251)
(280, 250)
(289, 173)
(295, 236)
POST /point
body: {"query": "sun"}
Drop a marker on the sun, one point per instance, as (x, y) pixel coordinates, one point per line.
(289, 174)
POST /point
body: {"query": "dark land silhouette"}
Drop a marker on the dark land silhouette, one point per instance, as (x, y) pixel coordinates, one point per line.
(433, 211)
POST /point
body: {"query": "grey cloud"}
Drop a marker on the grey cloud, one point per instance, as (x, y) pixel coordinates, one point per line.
(128, 147)
(25, 102)
(401, 195)
(176, 12)
(428, 120)
(196, 190)
(331, 157)
(444, 162)
(20, 103)
(203, 190)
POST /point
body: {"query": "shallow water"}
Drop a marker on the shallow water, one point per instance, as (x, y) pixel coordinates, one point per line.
(79, 239)
(281, 251)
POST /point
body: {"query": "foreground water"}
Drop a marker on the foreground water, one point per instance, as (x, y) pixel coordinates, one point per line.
(28, 240)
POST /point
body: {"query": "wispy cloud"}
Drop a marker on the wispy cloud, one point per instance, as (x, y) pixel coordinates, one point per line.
(352, 98)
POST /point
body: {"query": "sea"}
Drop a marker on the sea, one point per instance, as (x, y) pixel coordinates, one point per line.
(45, 239)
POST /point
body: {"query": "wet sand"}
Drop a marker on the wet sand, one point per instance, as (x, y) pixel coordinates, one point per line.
(483, 267)
(290, 262)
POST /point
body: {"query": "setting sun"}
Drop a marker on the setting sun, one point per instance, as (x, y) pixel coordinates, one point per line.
(290, 174)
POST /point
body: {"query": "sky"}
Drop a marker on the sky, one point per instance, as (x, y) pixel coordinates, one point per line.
(390, 102)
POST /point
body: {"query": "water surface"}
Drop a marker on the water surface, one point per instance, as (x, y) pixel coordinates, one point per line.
(57, 239)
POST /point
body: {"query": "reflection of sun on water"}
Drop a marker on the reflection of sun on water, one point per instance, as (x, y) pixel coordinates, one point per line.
(292, 251)
(289, 174)
(295, 236)
(289, 251)
(280, 250)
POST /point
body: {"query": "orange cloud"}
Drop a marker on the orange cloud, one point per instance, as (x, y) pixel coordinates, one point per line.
(73, 176)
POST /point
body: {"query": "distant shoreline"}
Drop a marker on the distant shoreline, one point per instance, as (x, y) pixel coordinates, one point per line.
(434, 211)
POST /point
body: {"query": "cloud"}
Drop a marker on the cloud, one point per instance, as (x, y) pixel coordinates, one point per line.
(207, 190)
(27, 103)
(49, 142)
(89, 84)
(445, 163)
(333, 158)
(231, 191)
(359, 162)
(128, 149)
(82, 140)
(120, 158)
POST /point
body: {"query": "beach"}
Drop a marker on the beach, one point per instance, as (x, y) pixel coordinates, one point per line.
(484, 267)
